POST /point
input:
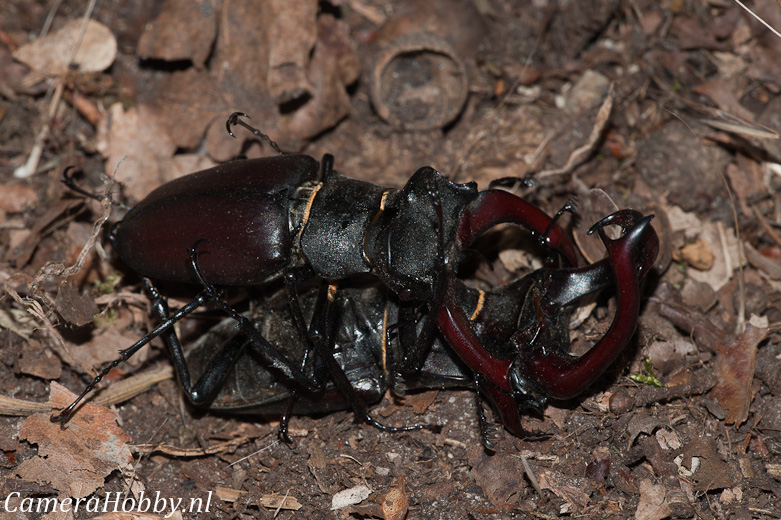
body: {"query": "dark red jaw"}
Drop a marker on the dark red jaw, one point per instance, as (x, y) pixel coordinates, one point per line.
(539, 365)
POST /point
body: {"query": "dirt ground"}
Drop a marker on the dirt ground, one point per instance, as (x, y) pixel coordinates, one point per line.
(669, 107)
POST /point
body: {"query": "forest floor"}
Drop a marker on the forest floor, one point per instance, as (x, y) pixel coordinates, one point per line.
(671, 108)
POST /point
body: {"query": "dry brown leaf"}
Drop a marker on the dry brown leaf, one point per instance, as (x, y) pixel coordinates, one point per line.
(104, 347)
(500, 476)
(21, 254)
(183, 30)
(138, 140)
(667, 356)
(421, 402)
(350, 497)
(769, 266)
(720, 93)
(640, 423)
(748, 183)
(291, 40)
(735, 371)
(51, 55)
(18, 321)
(652, 504)
(569, 489)
(584, 152)
(710, 471)
(723, 245)
(76, 308)
(75, 461)
(396, 502)
(227, 494)
(39, 362)
(696, 254)
(15, 198)
(333, 66)
(280, 502)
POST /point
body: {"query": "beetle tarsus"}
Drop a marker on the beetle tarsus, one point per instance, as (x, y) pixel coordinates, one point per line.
(235, 119)
(488, 433)
(568, 207)
(125, 354)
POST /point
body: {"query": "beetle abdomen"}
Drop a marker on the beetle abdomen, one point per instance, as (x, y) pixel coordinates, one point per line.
(240, 209)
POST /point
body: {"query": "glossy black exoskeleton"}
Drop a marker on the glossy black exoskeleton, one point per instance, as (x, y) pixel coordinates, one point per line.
(254, 221)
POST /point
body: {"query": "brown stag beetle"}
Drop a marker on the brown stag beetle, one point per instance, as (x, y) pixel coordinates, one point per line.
(287, 217)
(257, 220)
(520, 329)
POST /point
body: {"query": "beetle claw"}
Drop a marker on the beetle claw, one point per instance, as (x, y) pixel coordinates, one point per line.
(553, 370)
(233, 120)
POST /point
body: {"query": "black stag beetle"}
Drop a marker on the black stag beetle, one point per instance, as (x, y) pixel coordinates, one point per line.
(359, 330)
(257, 220)
(520, 330)
(288, 217)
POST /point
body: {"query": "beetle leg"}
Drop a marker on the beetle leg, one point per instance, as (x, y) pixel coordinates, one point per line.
(125, 354)
(545, 237)
(308, 337)
(324, 328)
(271, 355)
(213, 376)
(305, 334)
(416, 335)
(512, 182)
(284, 421)
(415, 338)
(488, 432)
(235, 119)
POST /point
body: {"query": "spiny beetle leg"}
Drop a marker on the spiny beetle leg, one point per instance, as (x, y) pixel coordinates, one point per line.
(213, 376)
(235, 119)
(124, 355)
(416, 335)
(267, 351)
(489, 433)
(545, 237)
(512, 182)
(284, 421)
(67, 180)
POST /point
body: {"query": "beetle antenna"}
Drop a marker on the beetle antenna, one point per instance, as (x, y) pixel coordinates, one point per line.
(235, 119)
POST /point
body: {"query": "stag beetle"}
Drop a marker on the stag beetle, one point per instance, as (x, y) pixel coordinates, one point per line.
(253, 221)
(363, 344)
(521, 327)
(261, 219)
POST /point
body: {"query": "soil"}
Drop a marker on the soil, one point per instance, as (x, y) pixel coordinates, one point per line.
(671, 108)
